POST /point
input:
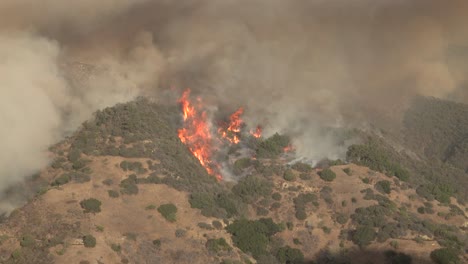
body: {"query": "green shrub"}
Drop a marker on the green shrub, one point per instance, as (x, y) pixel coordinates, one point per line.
(276, 196)
(217, 224)
(116, 247)
(252, 236)
(273, 146)
(327, 175)
(129, 186)
(364, 235)
(383, 186)
(217, 245)
(302, 167)
(250, 188)
(348, 171)
(241, 164)
(89, 241)
(305, 176)
(289, 175)
(168, 211)
(27, 241)
(342, 218)
(290, 255)
(113, 194)
(445, 256)
(63, 179)
(366, 180)
(91, 205)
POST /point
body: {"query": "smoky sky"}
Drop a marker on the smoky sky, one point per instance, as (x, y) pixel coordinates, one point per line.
(295, 66)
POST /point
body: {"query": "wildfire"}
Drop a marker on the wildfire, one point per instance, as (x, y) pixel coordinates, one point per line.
(288, 148)
(196, 135)
(232, 133)
(257, 133)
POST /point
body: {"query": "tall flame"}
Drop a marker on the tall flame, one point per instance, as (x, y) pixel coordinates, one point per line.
(257, 133)
(232, 132)
(196, 134)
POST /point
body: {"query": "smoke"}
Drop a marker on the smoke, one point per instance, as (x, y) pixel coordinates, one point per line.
(295, 66)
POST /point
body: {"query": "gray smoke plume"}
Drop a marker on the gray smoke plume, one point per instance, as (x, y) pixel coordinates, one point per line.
(295, 66)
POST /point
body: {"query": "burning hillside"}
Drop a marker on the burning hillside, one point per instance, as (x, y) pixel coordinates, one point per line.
(204, 140)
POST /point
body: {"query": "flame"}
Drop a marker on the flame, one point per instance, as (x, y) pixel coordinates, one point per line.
(232, 132)
(196, 134)
(288, 148)
(257, 133)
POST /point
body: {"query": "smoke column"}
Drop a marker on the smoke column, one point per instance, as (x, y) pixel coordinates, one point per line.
(294, 66)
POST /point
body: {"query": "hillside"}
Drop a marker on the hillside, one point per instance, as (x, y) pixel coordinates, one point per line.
(124, 189)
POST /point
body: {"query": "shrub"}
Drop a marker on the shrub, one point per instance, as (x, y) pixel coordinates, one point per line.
(301, 215)
(89, 241)
(116, 247)
(366, 180)
(252, 236)
(91, 205)
(240, 165)
(261, 211)
(289, 175)
(128, 186)
(217, 224)
(181, 232)
(445, 256)
(383, 186)
(305, 176)
(290, 255)
(217, 245)
(276, 196)
(341, 218)
(168, 211)
(302, 167)
(327, 175)
(63, 179)
(157, 243)
(250, 188)
(113, 194)
(348, 171)
(364, 235)
(27, 241)
(272, 146)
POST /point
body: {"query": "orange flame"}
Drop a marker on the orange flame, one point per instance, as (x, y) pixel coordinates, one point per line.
(288, 148)
(234, 128)
(257, 133)
(196, 134)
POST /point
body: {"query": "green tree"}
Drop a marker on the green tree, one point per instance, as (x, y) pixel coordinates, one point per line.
(89, 241)
(327, 175)
(364, 235)
(445, 256)
(91, 205)
(168, 211)
(289, 255)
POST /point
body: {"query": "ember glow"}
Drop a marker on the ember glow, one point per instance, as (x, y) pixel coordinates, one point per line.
(197, 136)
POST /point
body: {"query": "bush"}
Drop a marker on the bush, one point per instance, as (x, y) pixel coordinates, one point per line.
(113, 194)
(27, 241)
(89, 241)
(252, 236)
(63, 179)
(273, 146)
(250, 188)
(341, 218)
(116, 247)
(305, 176)
(302, 167)
(168, 211)
(445, 256)
(217, 245)
(128, 186)
(348, 171)
(240, 165)
(383, 186)
(327, 175)
(276, 196)
(364, 235)
(217, 224)
(289, 175)
(181, 232)
(91, 205)
(290, 255)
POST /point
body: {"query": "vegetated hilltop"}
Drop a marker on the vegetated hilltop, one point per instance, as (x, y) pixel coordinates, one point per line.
(124, 189)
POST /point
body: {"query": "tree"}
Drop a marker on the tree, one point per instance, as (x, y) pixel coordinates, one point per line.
(364, 235)
(91, 205)
(383, 186)
(168, 211)
(289, 255)
(327, 175)
(89, 241)
(445, 256)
